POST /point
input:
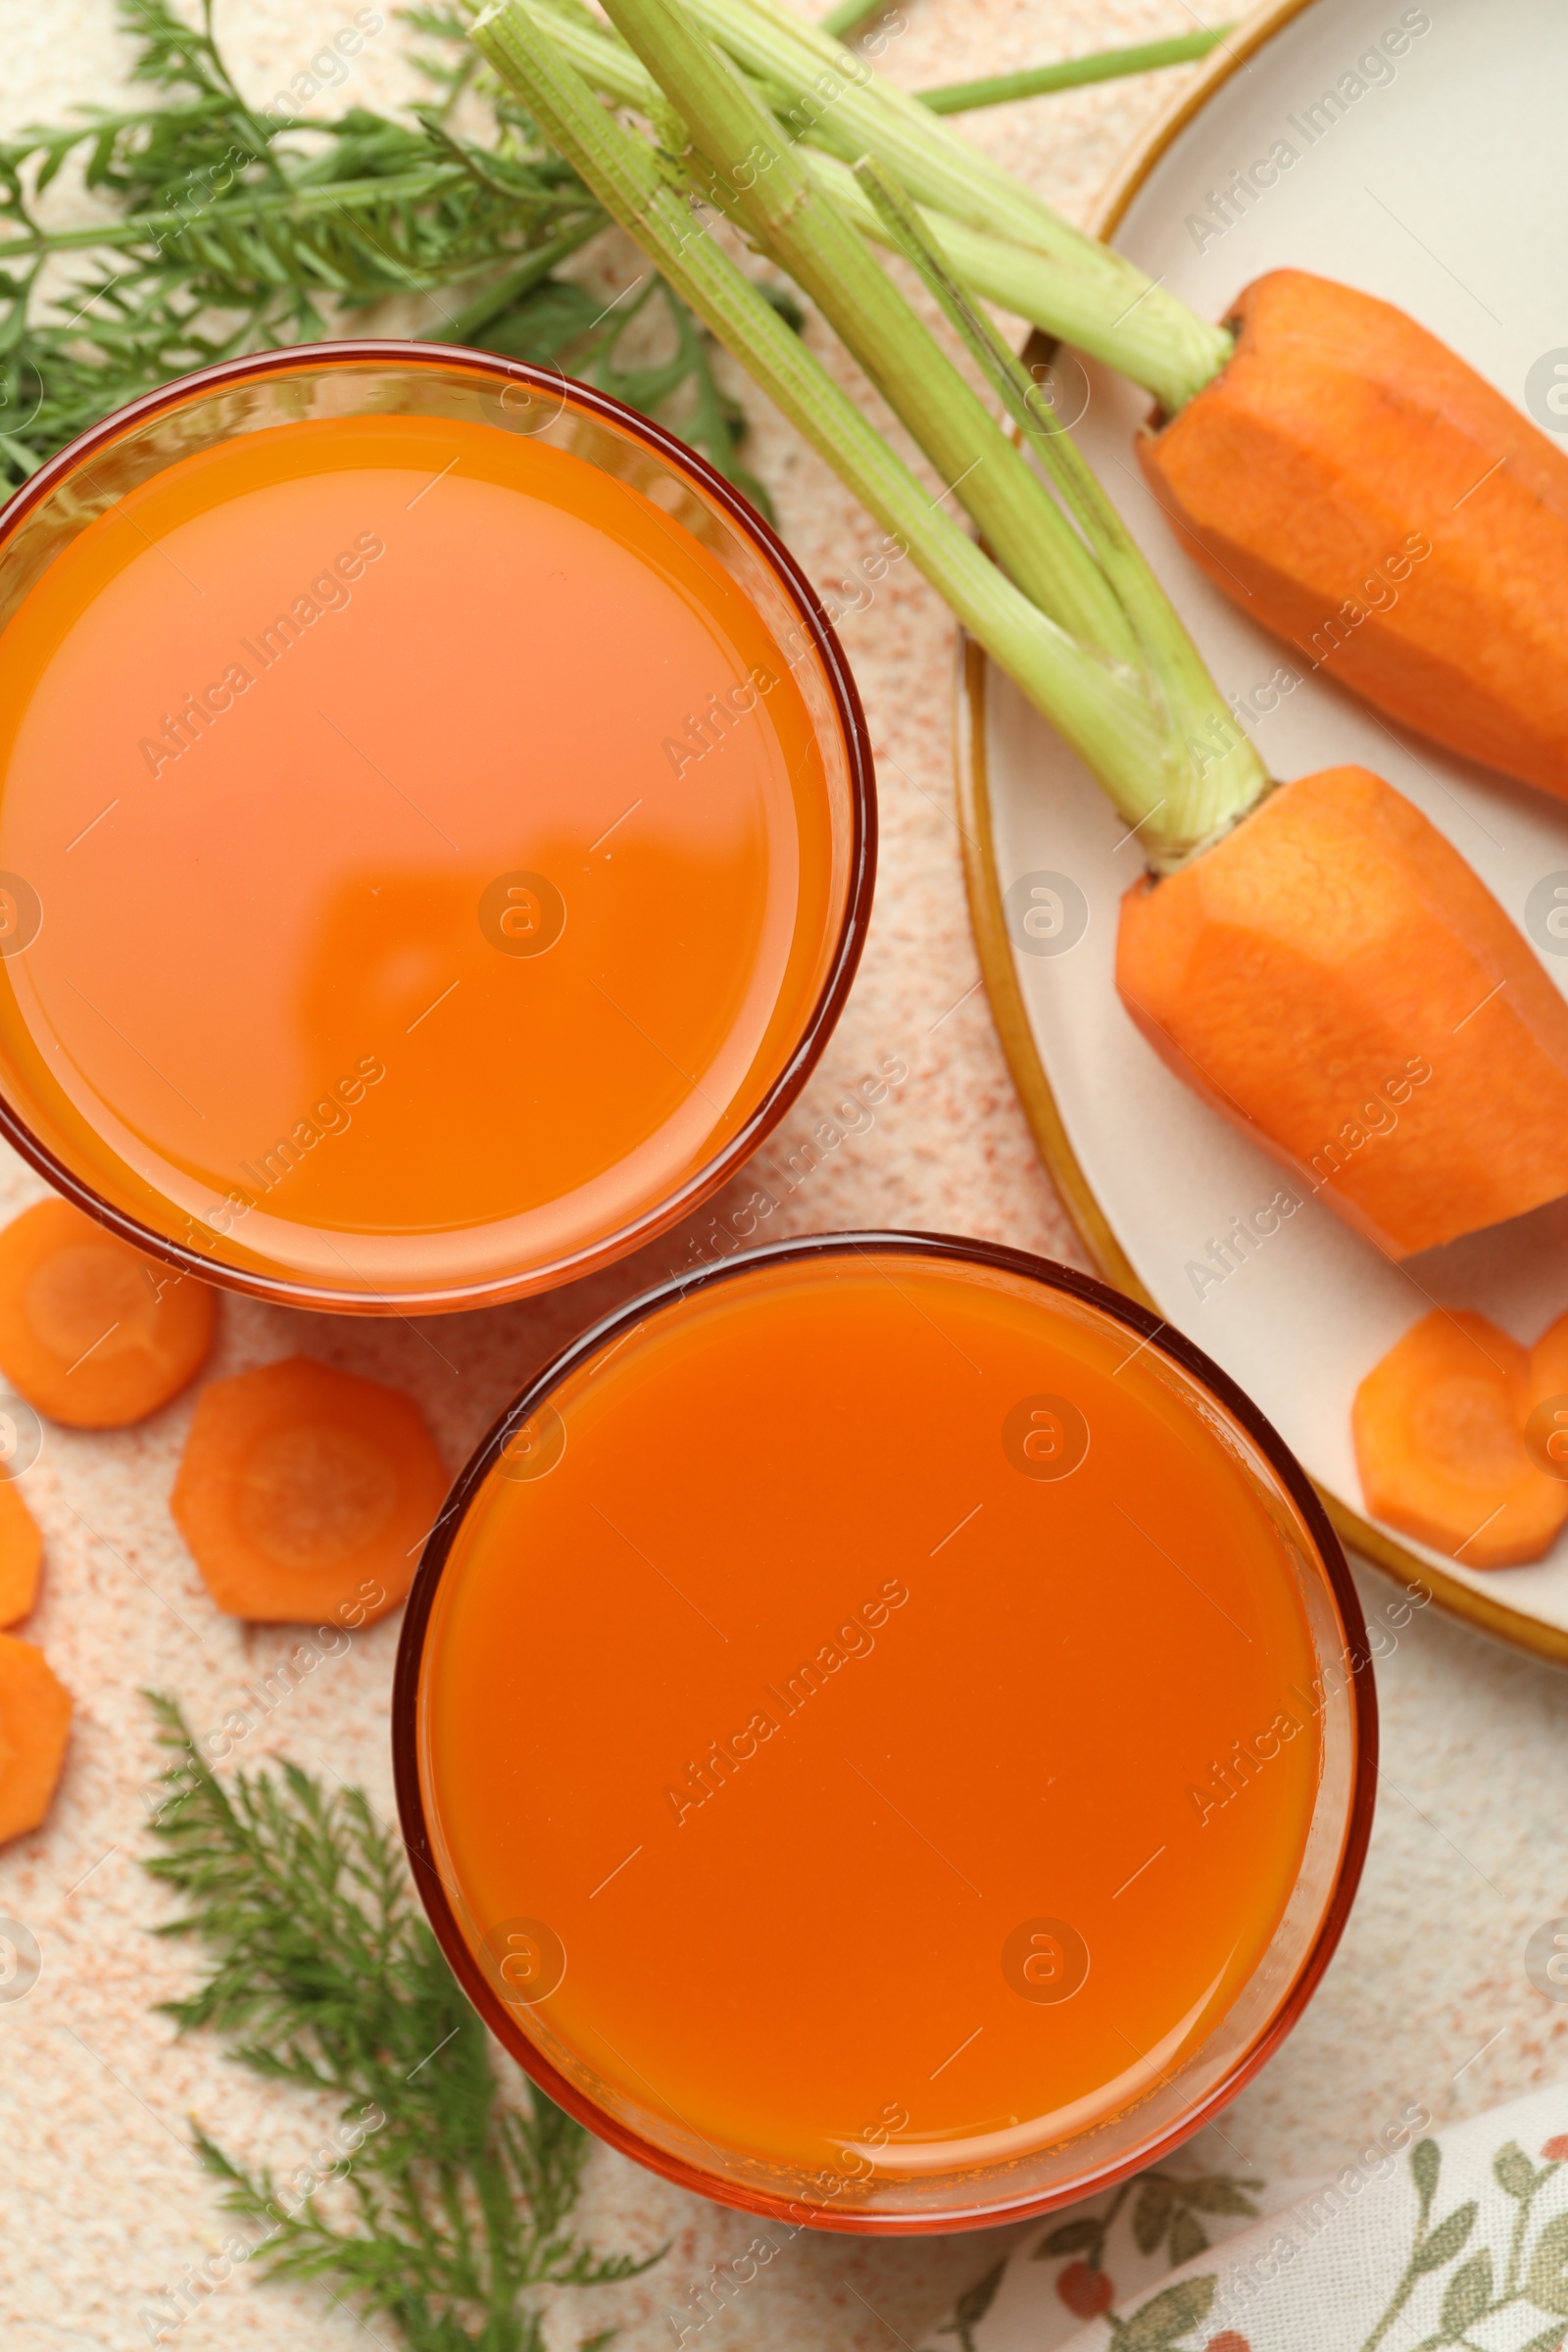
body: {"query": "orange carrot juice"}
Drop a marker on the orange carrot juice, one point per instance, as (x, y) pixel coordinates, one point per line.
(419, 858)
(866, 1720)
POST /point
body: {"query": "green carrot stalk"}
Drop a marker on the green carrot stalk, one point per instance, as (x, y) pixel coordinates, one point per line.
(1072, 73)
(849, 15)
(1110, 717)
(1235, 778)
(532, 270)
(1060, 302)
(1006, 273)
(800, 229)
(286, 207)
(1106, 318)
(615, 70)
(832, 95)
(1100, 709)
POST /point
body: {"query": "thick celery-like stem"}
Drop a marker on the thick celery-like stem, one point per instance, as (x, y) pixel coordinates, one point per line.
(1101, 712)
(759, 183)
(1055, 294)
(1024, 529)
(836, 98)
(1058, 300)
(1212, 774)
(1215, 775)
(833, 97)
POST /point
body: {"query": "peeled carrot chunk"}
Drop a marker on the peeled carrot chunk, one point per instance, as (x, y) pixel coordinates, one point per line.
(1438, 1429)
(305, 1493)
(1333, 978)
(92, 1332)
(1362, 492)
(34, 1726)
(21, 1549)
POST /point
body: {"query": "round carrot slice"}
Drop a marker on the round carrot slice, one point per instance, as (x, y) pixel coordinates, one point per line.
(92, 1332)
(21, 1549)
(1439, 1440)
(305, 1493)
(34, 1726)
(1546, 1428)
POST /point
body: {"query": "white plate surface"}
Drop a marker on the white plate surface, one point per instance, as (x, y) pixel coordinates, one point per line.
(1440, 188)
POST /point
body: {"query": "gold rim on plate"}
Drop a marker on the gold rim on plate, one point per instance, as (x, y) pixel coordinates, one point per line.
(983, 885)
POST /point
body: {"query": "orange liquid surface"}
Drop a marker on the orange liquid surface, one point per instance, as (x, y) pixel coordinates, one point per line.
(279, 991)
(950, 1713)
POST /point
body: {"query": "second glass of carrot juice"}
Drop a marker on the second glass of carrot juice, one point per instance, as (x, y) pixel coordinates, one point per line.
(436, 826)
(879, 1734)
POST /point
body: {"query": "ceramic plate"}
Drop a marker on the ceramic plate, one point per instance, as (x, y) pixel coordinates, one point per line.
(1439, 189)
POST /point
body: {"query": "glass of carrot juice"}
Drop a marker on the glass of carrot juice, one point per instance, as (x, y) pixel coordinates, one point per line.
(880, 1734)
(436, 826)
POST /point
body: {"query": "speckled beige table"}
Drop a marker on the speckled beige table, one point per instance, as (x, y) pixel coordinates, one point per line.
(103, 2208)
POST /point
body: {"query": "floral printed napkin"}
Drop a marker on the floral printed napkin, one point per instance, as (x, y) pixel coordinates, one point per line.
(1458, 2237)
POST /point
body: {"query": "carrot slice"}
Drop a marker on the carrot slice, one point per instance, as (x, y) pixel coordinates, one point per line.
(305, 1492)
(1439, 1428)
(1546, 1428)
(92, 1332)
(1361, 491)
(21, 1549)
(1333, 978)
(34, 1726)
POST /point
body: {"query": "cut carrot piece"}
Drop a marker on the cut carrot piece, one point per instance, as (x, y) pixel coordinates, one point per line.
(1438, 1429)
(1334, 979)
(305, 1493)
(92, 1332)
(1546, 1427)
(21, 1549)
(34, 1726)
(1362, 492)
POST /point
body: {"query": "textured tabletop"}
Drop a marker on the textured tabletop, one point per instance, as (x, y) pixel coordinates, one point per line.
(104, 2209)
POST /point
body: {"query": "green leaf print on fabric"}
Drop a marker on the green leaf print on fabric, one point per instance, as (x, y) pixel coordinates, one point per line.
(972, 2306)
(1158, 2325)
(1536, 2275)
(1164, 2214)
(1549, 2268)
(1469, 2297)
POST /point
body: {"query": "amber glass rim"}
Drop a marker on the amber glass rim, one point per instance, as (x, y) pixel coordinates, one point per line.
(1147, 1329)
(281, 1289)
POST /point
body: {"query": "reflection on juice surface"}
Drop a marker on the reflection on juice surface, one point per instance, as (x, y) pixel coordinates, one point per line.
(429, 848)
(876, 1714)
